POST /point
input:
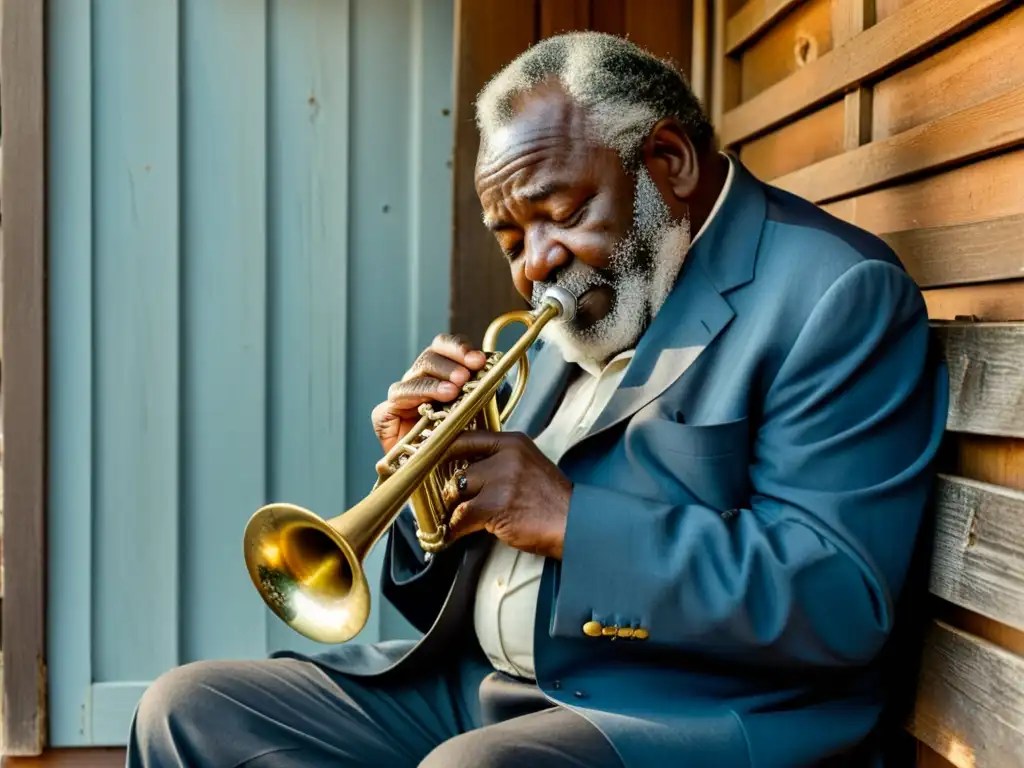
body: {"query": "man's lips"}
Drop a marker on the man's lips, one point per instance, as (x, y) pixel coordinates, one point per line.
(594, 303)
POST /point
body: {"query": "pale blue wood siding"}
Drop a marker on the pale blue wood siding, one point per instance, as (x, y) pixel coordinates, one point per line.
(249, 234)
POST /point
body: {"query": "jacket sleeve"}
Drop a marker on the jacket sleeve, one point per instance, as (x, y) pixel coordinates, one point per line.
(841, 470)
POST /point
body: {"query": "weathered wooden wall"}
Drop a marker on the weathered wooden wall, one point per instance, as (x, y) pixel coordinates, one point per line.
(906, 117)
(489, 34)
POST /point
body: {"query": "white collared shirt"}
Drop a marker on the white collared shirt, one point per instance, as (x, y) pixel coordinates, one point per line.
(506, 597)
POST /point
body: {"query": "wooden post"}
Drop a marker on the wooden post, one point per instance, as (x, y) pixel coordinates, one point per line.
(22, 61)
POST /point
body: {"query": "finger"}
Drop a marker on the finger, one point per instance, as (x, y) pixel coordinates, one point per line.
(466, 482)
(481, 443)
(469, 517)
(436, 365)
(408, 395)
(460, 349)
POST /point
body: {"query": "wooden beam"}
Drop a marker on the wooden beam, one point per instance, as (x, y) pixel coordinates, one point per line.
(978, 551)
(488, 35)
(989, 302)
(797, 40)
(22, 59)
(970, 700)
(981, 129)
(986, 376)
(876, 50)
(806, 141)
(985, 189)
(977, 252)
(975, 68)
(752, 19)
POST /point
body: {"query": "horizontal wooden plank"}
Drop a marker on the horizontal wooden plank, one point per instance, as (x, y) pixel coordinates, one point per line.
(969, 705)
(752, 19)
(986, 376)
(963, 253)
(985, 189)
(809, 140)
(989, 302)
(870, 54)
(801, 37)
(978, 548)
(990, 459)
(968, 72)
(976, 130)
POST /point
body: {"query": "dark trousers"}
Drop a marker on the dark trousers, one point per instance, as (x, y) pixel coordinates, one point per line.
(287, 712)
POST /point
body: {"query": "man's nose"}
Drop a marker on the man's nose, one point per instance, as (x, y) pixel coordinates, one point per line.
(545, 258)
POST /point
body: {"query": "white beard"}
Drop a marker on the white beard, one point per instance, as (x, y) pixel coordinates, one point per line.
(642, 270)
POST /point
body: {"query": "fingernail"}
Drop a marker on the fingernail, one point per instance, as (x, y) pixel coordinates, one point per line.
(448, 390)
(476, 358)
(459, 376)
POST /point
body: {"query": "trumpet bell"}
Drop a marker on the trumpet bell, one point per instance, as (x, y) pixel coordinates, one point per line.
(307, 573)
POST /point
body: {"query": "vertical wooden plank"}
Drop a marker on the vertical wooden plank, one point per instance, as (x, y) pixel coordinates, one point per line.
(857, 118)
(309, 71)
(136, 300)
(70, 337)
(662, 27)
(430, 183)
(557, 16)
(223, 361)
(22, 52)
(701, 43)
(608, 16)
(849, 19)
(489, 34)
(725, 72)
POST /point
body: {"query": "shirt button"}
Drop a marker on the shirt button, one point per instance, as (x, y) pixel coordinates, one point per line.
(557, 685)
(501, 581)
(580, 694)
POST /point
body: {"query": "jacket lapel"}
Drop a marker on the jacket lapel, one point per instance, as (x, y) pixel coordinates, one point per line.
(695, 312)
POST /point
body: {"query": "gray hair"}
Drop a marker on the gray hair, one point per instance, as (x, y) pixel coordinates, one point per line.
(624, 90)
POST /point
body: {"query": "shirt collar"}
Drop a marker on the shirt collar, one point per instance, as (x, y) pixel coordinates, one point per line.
(621, 360)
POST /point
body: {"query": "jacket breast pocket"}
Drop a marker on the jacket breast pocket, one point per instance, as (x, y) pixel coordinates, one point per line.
(709, 461)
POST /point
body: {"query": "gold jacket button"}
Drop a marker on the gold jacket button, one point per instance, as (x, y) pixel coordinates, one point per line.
(640, 634)
(609, 631)
(625, 631)
(592, 629)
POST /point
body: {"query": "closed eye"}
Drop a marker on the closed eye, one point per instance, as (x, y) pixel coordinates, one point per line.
(574, 218)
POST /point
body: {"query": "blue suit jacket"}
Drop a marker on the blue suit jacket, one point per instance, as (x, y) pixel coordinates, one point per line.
(751, 496)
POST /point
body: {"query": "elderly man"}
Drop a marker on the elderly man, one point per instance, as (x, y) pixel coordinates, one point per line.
(689, 547)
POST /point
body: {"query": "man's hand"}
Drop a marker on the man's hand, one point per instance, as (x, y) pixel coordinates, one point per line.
(511, 490)
(437, 375)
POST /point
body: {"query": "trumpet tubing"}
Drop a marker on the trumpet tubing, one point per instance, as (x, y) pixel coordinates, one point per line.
(309, 570)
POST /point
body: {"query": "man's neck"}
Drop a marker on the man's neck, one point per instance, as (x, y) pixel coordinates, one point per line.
(714, 169)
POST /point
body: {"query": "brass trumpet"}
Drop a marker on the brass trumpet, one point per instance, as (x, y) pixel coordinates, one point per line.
(309, 570)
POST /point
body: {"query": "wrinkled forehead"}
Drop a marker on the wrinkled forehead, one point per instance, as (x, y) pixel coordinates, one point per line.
(544, 117)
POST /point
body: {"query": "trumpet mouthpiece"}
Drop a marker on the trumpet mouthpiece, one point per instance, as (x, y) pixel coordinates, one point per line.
(564, 299)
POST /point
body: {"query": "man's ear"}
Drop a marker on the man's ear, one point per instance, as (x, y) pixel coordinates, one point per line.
(671, 160)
